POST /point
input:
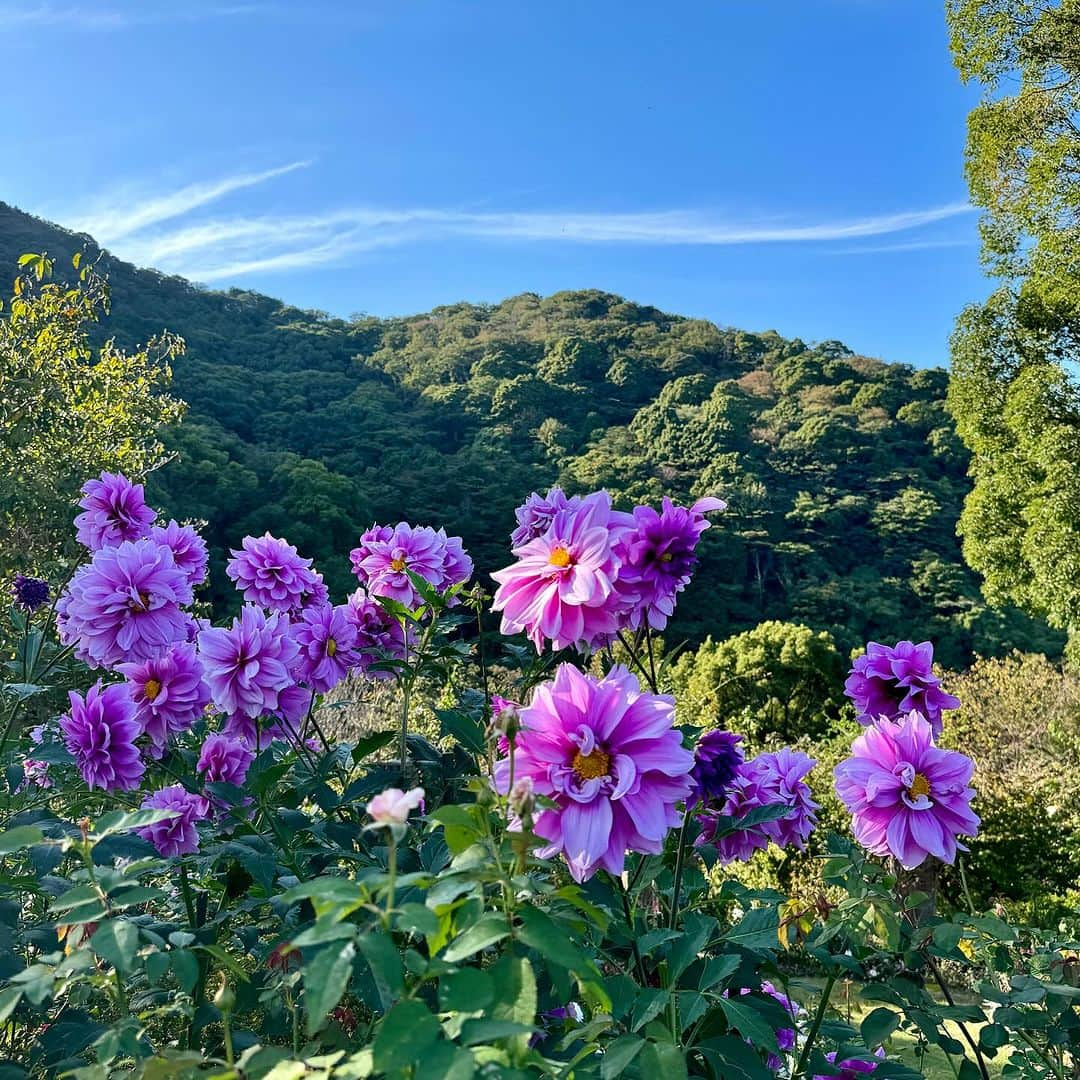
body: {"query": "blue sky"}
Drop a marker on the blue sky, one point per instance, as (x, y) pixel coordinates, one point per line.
(784, 164)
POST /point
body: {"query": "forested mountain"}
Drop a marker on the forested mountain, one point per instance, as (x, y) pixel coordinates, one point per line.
(844, 475)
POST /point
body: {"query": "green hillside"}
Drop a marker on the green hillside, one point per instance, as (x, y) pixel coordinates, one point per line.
(844, 475)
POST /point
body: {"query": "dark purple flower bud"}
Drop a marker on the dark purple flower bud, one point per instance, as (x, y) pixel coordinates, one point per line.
(30, 593)
(717, 758)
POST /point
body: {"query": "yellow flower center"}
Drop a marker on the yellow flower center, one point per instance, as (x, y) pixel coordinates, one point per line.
(590, 766)
(331, 646)
(141, 604)
(151, 688)
(666, 557)
(919, 786)
(397, 564)
(559, 557)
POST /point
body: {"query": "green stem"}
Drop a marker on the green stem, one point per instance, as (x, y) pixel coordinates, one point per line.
(227, 1028)
(391, 871)
(652, 660)
(638, 963)
(815, 1028)
(939, 978)
(679, 859)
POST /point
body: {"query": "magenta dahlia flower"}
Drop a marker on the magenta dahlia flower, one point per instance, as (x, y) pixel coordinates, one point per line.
(272, 574)
(225, 760)
(535, 515)
(188, 548)
(248, 664)
(849, 1068)
(114, 510)
(177, 835)
(386, 555)
(327, 638)
(774, 778)
(907, 797)
(379, 636)
(610, 758)
(563, 585)
(126, 604)
(169, 692)
(100, 731)
(893, 681)
(658, 559)
(717, 758)
(30, 593)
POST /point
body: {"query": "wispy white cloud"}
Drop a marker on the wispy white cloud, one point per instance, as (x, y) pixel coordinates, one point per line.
(96, 17)
(911, 245)
(232, 247)
(120, 219)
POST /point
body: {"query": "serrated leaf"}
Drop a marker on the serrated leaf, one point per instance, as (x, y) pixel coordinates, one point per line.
(406, 1034)
(618, 1055)
(116, 941)
(488, 930)
(325, 980)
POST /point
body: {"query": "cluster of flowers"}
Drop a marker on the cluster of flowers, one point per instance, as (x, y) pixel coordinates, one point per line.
(126, 610)
(585, 572)
(908, 797)
(615, 777)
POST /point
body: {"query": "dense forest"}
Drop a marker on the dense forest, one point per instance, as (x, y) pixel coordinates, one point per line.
(844, 475)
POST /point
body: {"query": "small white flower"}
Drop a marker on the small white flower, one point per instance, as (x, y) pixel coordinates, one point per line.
(393, 806)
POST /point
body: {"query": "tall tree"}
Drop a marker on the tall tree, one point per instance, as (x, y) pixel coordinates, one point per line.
(68, 410)
(1013, 392)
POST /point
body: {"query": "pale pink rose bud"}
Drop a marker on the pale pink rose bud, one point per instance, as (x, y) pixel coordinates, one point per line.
(522, 800)
(393, 806)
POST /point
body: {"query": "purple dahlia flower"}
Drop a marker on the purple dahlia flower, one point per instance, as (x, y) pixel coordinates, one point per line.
(717, 758)
(248, 664)
(772, 778)
(225, 760)
(30, 593)
(610, 758)
(379, 636)
(785, 1036)
(100, 731)
(176, 835)
(907, 797)
(658, 559)
(562, 587)
(893, 681)
(849, 1068)
(126, 604)
(169, 692)
(327, 638)
(272, 574)
(188, 548)
(386, 555)
(35, 774)
(535, 515)
(114, 510)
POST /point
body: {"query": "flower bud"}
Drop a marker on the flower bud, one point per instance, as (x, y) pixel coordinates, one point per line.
(522, 800)
(505, 719)
(225, 999)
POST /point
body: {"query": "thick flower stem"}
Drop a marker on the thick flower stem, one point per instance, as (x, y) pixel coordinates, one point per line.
(638, 963)
(815, 1027)
(947, 994)
(391, 873)
(679, 860)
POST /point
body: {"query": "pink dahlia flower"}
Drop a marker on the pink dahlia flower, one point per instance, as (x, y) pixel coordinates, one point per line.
(114, 510)
(907, 797)
(248, 664)
(379, 636)
(610, 758)
(393, 806)
(893, 681)
(535, 515)
(272, 574)
(169, 692)
(658, 559)
(225, 760)
(177, 835)
(774, 778)
(327, 638)
(125, 605)
(188, 548)
(100, 731)
(387, 555)
(563, 585)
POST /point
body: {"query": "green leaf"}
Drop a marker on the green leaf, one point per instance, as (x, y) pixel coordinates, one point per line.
(116, 941)
(9, 999)
(698, 930)
(482, 1030)
(515, 993)
(540, 932)
(370, 744)
(417, 919)
(648, 1005)
(385, 963)
(325, 980)
(755, 930)
(467, 990)
(121, 821)
(22, 836)
(663, 1061)
(877, 1026)
(486, 932)
(444, 1061)
(749, 1023)
(405, 1036)
(185, 966)
(619, 1054)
